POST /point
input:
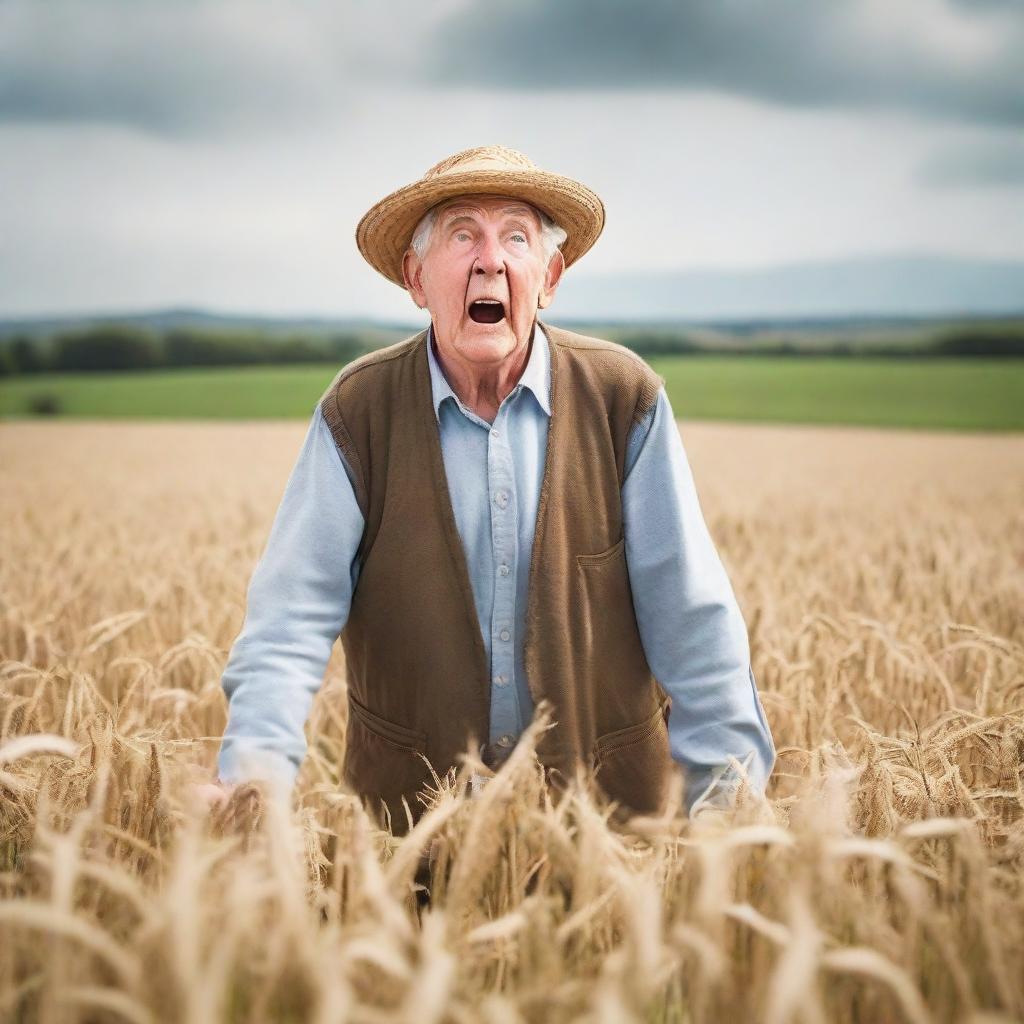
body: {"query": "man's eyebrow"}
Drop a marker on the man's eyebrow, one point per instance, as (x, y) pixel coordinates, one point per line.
(449, 220)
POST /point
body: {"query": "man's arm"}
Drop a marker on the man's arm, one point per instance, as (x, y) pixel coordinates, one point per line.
(691, 626)
(298, 602)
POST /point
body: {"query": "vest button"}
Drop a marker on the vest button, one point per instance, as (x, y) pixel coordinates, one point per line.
(505, 741)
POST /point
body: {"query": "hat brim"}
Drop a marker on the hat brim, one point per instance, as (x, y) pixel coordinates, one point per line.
(385, 231)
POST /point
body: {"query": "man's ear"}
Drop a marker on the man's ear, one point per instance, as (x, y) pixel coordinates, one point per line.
(556, 265)
(412, 272)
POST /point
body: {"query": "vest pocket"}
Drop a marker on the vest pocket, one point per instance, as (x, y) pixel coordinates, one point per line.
(604, 623)
(382, 763)
(601, 557)
(634, 763)
(390, 732)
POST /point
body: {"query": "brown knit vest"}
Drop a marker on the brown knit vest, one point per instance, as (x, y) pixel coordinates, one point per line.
(418, 677)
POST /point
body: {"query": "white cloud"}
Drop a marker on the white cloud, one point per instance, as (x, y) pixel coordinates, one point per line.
(96, 217)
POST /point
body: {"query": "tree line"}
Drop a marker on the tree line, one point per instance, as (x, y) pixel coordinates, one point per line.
(974, 340)
(131, 347)
(105, 347)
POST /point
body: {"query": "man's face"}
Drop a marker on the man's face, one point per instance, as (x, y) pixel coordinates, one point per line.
(483, 247)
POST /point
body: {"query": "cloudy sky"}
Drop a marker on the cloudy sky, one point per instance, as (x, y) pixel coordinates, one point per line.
(219, 154)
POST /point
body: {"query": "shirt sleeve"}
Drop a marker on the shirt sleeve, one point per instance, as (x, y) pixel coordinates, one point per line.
(298, 602)
(691, 626)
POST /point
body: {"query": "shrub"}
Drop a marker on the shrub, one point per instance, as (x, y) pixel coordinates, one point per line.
(45, 403)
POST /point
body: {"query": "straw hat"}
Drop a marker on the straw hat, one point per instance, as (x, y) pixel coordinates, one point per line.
(384, 233)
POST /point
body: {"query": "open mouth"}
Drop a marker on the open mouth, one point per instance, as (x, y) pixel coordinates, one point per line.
(486, 311)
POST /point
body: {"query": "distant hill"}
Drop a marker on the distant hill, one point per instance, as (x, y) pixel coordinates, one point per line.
(848, 289)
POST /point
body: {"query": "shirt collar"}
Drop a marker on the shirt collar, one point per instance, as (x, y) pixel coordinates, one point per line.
(536, 376)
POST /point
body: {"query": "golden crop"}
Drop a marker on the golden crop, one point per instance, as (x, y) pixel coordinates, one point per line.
(881, 577)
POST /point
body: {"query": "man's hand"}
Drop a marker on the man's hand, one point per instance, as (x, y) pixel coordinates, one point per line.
(212, 794)
(209, 794)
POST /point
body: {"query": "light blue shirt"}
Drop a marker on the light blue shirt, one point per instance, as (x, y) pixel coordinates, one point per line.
(693, 632)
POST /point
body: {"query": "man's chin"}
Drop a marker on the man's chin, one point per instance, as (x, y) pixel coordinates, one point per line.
(486, 340)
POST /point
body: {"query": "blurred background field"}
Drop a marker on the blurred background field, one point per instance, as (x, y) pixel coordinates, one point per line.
(967, 375)
(983, 394)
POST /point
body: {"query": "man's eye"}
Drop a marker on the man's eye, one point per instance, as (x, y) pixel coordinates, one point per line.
(519, 237)
(461, 235)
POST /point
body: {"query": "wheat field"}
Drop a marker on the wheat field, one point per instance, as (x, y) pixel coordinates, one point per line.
(881, 577)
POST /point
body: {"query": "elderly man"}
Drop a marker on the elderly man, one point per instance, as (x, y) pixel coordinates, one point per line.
(493, 513)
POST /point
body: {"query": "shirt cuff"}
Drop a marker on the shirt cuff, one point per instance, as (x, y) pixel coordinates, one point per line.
(246, 762)
(721, 790)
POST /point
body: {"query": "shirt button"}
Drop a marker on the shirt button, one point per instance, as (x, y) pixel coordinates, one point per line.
(504, 570)
(501, 680)
(501, 498)
(494, 432)
(504, 634)
(505, 741)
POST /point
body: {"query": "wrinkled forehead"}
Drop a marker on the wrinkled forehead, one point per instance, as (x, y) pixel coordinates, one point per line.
(484, 204)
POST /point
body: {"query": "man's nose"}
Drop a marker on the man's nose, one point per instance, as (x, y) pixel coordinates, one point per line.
(490, 259)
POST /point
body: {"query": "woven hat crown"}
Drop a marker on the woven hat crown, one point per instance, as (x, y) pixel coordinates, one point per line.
(496, 158)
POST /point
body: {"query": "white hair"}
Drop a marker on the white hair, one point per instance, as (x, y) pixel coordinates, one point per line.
(552, 235)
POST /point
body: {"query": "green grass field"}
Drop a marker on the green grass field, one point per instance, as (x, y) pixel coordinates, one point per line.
(962, 394)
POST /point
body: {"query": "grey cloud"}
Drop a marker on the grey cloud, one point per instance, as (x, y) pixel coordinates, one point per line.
(988, 5)
(986, 164)
(179, 68)
(802, 52)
